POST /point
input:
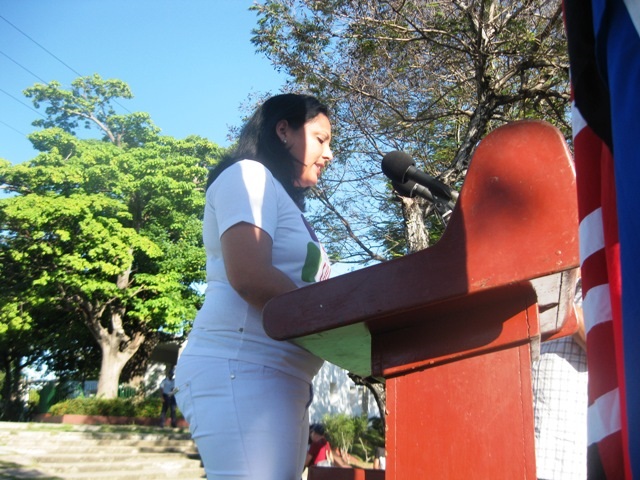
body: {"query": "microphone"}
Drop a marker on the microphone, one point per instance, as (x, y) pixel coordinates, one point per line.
(399, 167)
(411, 189)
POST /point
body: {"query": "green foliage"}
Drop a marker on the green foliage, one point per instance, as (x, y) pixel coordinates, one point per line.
(113, 407)
(369, 439)
(33, 399)
(150, 407)
(356, 435)
(104, 234)
(94, 406)
(341, 430)
(89, 103)
(429, 78)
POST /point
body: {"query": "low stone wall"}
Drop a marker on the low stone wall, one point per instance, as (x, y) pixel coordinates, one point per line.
(103, 420)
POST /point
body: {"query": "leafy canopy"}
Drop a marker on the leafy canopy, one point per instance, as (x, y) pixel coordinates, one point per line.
(429, 78)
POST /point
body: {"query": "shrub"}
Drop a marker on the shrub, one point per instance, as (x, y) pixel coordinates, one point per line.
(113, 407)
(341, 430)
(117, 407)
(150, 407)
(358, 436)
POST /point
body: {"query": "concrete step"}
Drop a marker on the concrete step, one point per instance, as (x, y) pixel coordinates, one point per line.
(57, 432)
(89, 446)
(148, 474)
(175, 465)
(58, 452)
(97, 458)
(20, 473)
(90, 449)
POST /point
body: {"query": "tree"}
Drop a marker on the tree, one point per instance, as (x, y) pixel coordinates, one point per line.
(429, 78)
(17, 335)
(90, 102)
(108, 233)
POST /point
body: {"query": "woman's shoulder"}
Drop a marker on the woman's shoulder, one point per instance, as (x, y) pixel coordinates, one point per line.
(245, 175)
(249, 164)
(246, 168)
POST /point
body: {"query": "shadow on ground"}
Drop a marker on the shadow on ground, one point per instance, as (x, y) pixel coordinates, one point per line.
(15, 471)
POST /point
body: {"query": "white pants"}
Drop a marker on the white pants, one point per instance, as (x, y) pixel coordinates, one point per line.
(249, 421)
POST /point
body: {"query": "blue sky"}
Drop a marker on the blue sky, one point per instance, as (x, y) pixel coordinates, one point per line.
(189, 63)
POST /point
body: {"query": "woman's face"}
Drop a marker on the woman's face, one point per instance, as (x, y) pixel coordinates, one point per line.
(309, 145)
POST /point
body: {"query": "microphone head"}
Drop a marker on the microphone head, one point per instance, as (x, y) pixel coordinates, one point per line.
(395, 165)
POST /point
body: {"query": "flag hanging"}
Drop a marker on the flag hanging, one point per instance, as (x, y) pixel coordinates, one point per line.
(604, 55)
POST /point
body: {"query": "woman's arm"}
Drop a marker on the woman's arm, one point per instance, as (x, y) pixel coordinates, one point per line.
(246, 250)
(308, 460)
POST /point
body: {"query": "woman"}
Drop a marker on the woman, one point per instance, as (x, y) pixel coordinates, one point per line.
(244, 394)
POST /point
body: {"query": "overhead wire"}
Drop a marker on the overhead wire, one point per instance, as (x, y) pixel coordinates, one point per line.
(21, 102)
(23, 67)
(51, 54)
(12, 128)
(42, 47)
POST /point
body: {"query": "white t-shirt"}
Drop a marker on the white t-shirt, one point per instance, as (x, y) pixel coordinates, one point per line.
(227, 326)
(167, 385)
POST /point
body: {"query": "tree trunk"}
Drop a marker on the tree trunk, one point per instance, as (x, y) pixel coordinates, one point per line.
(117, 349)
(416, 234)
(110, 368)
(417, 239)
(12, 405)
(378, 391)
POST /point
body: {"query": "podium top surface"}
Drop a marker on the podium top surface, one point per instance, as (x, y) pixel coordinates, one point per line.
(515, 220)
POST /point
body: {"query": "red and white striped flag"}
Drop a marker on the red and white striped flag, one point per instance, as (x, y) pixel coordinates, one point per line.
(604, 53)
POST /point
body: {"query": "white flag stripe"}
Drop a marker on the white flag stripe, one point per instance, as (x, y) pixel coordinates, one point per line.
(604, 417)
(591, 234)
(596, 306)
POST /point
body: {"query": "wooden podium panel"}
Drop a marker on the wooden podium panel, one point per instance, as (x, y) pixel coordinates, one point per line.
(462, 428)
(463, 389)
(451, 328)
(479, 324)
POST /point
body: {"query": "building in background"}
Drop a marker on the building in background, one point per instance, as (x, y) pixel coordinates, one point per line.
(334, 393)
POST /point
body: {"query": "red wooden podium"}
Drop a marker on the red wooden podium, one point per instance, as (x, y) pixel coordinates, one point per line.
(451, 329)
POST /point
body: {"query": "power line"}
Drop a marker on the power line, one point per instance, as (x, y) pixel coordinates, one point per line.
(43, 48)
(54, 56)
(21, 102)
(12, 128)
(24, 68)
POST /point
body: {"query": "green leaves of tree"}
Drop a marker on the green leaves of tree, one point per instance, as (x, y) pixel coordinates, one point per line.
(89, 103)
(104, 232)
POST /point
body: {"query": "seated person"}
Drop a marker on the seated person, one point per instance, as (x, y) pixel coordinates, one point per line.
(319, 452)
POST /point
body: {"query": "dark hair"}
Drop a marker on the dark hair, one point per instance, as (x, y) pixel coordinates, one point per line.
(317, 428)
(259, 141)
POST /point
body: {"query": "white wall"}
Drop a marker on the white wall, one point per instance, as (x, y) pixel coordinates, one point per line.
(335, 392)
